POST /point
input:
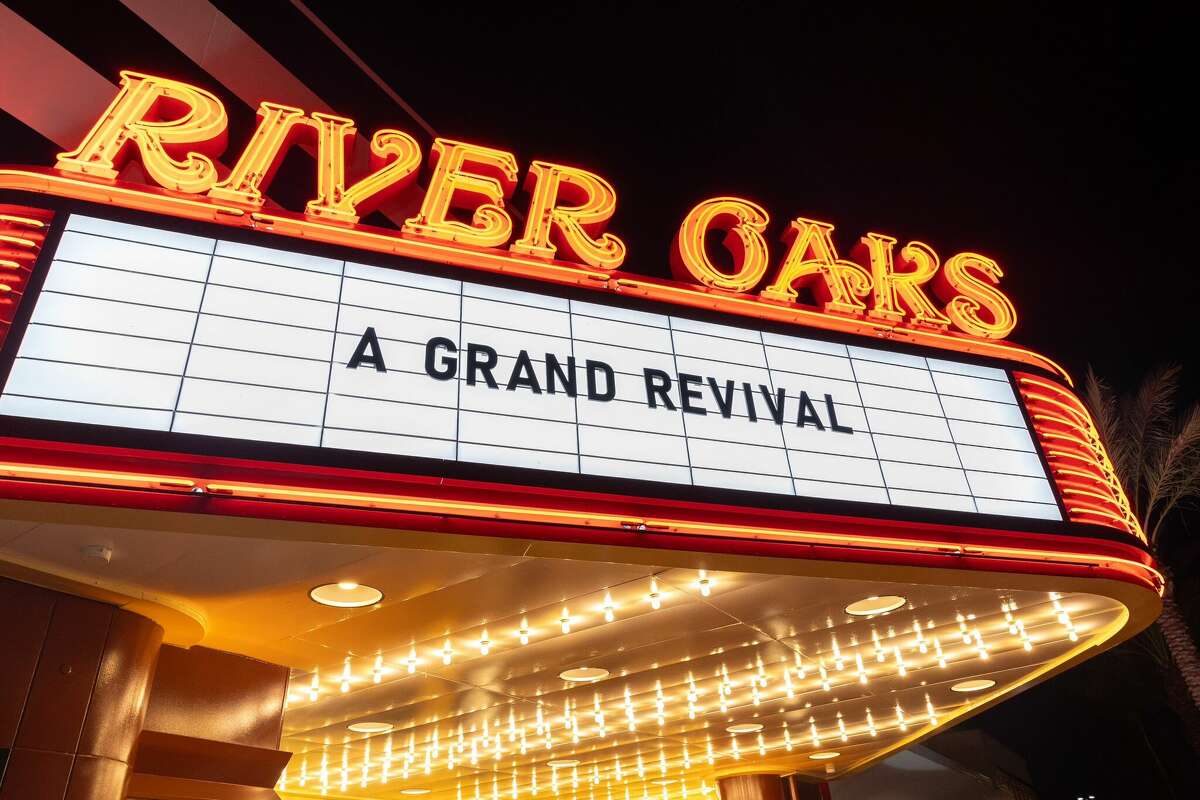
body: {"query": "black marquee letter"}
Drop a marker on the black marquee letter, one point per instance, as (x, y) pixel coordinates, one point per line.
(522, 374)
(484, 365)
(555, 374)
(375, 358)
(658, 384)
(808, 413)
(833, 421)
(687, 394)
(610, 381)
(774, 402)
(449, 366)
(724, 402)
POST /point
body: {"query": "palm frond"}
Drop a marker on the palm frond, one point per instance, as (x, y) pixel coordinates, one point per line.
(1172, 474)
(1147, 419)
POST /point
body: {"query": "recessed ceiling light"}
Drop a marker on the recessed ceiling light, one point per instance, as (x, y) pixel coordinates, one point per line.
(745, 727)
(869, 606)
(824, 756)
(415, 790)
(584, 674)
(663, 781)
(978, 685)
(563, 763)
(346, 594)
(371, 727)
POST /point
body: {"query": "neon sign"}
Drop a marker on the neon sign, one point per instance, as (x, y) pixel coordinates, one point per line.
(177, 130)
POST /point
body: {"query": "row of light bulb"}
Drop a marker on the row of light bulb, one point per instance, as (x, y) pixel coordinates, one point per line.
(925, 641)
(485, 643)
(813, 737)
(468, 750)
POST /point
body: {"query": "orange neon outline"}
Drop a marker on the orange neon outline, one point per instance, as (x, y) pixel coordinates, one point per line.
(543, 515)
(1065, 429)
(19, 248)
(378, 240)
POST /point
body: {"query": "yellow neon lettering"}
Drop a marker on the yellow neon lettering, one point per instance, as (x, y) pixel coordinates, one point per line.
(278, 125)
(812, 263)
(897, 295)
(175, 127)
(578, 228)
(395, 157)
(743, 223)
(482, 192)
(967, 284)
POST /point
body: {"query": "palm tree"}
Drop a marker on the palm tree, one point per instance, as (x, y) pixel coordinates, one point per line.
(1155, 449)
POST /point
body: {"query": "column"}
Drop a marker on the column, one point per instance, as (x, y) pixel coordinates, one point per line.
(74, 686)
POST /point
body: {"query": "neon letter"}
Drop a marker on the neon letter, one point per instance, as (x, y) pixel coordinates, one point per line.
(895, 294)
(278, 128)
(967, 284)
(483, 192)
(812, 261)
(175, 127)
(334, 201)
(574, 227)
(743, 223)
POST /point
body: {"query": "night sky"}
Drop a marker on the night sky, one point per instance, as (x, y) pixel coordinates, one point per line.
(1054, 142)
(1057, 141)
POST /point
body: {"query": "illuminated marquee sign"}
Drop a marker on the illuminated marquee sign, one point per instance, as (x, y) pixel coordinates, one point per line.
(900, 392)
(146, 328)
(178, 129)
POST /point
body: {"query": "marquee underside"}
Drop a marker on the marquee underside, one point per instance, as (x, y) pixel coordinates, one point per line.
(771, 644)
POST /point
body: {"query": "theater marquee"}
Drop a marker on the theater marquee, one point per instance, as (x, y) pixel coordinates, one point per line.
(145, 328)
(483, 375)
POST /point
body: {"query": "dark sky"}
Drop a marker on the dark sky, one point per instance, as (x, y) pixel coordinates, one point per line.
(1056, 142)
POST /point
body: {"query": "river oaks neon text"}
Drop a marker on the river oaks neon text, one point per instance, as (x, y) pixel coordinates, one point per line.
(177, 131)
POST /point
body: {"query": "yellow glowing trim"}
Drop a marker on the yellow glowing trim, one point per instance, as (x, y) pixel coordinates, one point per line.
(552, 516)
(19, 241)
(101, 477)
(32, 223)
(591, 519)
(1087, 439)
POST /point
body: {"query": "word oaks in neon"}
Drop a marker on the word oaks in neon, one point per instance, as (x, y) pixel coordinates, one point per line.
(179, 130)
